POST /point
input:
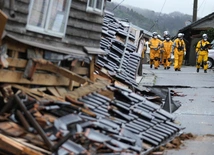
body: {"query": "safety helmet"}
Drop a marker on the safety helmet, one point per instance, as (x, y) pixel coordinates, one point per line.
(165, 33)
(154, 34)
(180, 35)
(204, 36)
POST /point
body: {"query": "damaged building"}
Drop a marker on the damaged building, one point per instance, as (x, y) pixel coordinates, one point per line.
(67, 83)
(61, 31)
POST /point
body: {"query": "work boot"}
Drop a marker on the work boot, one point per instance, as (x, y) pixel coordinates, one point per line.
(156, 67)
(179, 69)
(176, 69)
(197, 70)
(168, 67)
(151, 66)
(205, 71)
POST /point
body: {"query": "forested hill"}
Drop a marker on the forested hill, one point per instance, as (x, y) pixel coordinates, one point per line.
(150, 20)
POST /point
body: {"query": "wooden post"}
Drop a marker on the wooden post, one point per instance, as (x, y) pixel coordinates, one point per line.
(3, 19)
(91, 72)
(71, 83)
(195, 7)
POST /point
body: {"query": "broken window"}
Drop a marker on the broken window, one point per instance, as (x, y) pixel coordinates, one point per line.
(95, 6)
(49, 16)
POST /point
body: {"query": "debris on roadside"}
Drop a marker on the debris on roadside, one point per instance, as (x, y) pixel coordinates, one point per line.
(85, 121)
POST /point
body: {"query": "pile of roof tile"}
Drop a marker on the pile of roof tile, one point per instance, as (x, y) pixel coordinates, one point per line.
(111, 120)
(121, 57)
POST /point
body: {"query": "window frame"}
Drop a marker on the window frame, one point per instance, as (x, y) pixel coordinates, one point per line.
(94, 9)
(48, 15)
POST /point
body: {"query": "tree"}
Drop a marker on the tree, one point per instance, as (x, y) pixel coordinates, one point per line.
(210, 33)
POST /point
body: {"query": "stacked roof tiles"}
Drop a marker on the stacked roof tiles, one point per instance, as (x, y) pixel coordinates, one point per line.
(121, 56)
(122, 124)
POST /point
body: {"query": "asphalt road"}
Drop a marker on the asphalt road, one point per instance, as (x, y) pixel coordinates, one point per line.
(196, 95)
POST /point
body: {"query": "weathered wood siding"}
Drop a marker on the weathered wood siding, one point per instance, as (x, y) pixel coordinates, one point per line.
(206, 24)
(83, 28)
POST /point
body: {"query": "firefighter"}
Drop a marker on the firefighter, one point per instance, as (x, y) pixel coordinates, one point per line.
(167, 48)
(161, 50)
(179, 50)
(165, 34)
(154, 45)
(202, 51)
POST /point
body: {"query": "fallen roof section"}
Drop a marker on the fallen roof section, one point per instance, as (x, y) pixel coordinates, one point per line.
(101, 120)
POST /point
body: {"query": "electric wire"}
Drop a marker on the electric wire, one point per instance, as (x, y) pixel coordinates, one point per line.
(117, 5)
(199, 8)
(200, 5)
(156, 21)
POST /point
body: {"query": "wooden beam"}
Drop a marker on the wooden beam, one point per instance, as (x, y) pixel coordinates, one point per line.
(64, 72)
(21, 63)
(18, 63)
(16, 46)
(14, 147)
(53, 91)
(80, 70)
(85, 90)
(62, 91)
(7, 76)
(37, 93)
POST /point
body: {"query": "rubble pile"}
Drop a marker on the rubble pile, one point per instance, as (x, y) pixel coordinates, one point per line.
(111, 120)
(118, 42)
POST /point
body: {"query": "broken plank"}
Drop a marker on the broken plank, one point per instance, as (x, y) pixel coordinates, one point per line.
(11, 129)
(22, 141)
(96, 76)
(61, 91)
(84, 90)
(53, 91)
(15, 62)
(5, 144)
(41, 89)
(38, 93)
(47, 66)
(64, 72)
(80, 70)
(15, 147)
(7, 76)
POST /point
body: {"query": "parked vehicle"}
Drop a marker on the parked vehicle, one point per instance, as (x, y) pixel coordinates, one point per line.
(211, 58)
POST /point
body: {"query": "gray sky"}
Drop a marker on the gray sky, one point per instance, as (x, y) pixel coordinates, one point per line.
(205, 7)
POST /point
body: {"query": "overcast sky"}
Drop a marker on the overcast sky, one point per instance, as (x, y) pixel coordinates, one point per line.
(205, 7)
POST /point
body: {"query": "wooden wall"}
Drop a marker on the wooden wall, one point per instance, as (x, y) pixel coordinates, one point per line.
(83, 28)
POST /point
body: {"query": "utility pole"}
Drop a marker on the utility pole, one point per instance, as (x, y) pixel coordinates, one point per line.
(195, 9)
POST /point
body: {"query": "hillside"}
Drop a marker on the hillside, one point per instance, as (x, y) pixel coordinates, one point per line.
(150, 20)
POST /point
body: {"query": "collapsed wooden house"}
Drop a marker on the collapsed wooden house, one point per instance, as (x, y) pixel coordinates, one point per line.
(65, 32)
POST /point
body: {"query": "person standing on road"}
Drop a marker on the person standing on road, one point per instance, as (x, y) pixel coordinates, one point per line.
(165, 34)
(161, 50)
(179, 50)
(202, 52)
(154, 45)
(167, 49)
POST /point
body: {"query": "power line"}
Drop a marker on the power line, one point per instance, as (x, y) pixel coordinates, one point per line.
(156, 21)
(201, 5)
(117, 5)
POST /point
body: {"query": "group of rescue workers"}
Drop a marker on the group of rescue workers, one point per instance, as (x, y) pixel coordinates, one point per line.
(161, 50)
